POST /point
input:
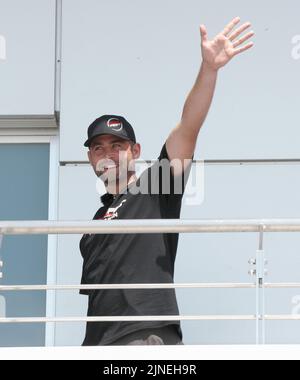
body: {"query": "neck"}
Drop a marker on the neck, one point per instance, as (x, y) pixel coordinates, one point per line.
(120, 185)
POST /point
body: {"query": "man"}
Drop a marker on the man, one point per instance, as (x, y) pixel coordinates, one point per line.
(146, 258)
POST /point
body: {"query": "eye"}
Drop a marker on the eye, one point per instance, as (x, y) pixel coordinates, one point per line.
(97, 148)
(117, 146)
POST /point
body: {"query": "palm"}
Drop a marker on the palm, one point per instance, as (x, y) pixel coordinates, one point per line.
(218, 52)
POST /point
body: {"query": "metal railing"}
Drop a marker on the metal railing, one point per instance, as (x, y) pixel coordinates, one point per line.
(163, 226)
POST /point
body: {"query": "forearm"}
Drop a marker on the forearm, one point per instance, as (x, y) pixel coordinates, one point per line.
(199, 101)
(216, 53)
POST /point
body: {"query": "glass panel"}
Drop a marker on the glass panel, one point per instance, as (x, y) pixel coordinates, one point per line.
(24, 176)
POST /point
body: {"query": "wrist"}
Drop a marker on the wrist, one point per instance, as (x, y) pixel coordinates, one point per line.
(208, 69)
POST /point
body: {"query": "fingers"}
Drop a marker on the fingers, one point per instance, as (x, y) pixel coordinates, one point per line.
(232, 35)
(239, 31)
(243, 39)
(244, 48)
(231, 26)
(204, 35)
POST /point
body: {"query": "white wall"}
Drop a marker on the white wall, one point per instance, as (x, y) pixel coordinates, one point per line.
(140, 59)
(27, 73)
(241, 191)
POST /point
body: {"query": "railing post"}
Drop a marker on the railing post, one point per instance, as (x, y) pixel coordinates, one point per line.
(260, 289)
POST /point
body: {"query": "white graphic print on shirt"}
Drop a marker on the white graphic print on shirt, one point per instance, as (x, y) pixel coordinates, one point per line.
(112, 213)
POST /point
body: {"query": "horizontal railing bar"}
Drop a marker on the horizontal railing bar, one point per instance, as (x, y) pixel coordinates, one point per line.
(5, 288)
(148, 226)
(240, 161)
(283, 317)
(127, 286)
(130, 319)
(283, 285)
(150, 318)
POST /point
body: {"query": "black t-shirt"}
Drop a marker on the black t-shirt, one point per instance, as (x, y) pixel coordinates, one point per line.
(134, 258)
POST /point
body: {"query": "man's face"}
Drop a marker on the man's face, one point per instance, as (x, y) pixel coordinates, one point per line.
(113, 158)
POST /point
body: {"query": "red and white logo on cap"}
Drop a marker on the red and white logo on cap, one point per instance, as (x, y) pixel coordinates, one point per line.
(115, 124)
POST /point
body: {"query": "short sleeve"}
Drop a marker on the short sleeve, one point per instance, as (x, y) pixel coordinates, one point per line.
(159, 178)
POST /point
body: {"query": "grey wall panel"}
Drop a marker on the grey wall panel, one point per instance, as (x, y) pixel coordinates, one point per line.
(234, 192)
(283, 252)
(231, 191)
(27, 74)
(141, 58)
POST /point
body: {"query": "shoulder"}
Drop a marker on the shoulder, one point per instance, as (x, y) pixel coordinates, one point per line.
(99, 213)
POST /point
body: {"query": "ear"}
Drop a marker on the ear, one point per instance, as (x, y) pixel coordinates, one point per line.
(89, 156)
(136, 151)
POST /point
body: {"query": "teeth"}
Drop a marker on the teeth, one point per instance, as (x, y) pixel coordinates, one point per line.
(107, 166)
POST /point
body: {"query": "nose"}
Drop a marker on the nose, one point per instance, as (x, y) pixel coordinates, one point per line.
(109, 155)
(107, 152)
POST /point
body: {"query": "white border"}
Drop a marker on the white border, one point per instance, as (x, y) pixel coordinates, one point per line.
(169, 353)
(58, 55)
(52, 239)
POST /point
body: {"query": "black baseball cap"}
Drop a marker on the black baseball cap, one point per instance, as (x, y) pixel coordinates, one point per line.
(110, 125)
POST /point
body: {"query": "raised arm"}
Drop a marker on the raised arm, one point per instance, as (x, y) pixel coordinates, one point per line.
(216, 53)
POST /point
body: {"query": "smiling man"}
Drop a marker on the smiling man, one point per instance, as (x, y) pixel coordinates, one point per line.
(146, 258)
